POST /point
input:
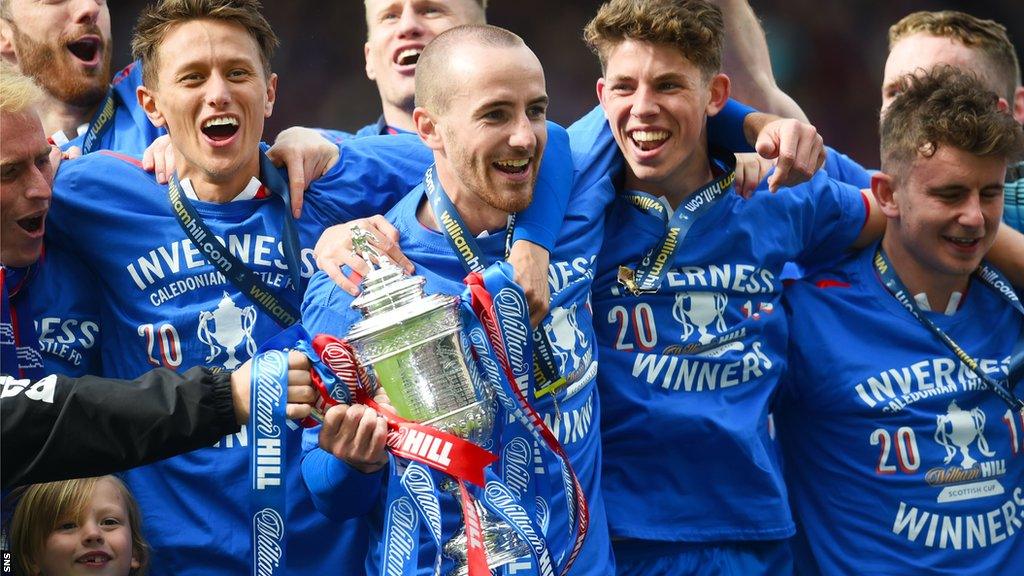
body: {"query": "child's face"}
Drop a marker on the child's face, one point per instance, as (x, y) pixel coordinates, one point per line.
(98, 544)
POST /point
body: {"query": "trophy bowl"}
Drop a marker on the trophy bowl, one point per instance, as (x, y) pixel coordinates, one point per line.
(415, 352)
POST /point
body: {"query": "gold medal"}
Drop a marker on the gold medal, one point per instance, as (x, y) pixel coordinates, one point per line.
(627, 277)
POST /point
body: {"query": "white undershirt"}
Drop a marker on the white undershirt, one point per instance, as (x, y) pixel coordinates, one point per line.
(247, 193)
(60, 138)
(951, 308)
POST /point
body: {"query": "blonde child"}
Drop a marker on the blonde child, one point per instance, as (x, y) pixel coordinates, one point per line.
(88, 525)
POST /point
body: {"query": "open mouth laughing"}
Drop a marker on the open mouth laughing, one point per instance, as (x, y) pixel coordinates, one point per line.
(648, 140)
(405, 57)
(86, 49)
(33, 223)
(220, 128)
(963, 242)
(408, 57)
(512, 167)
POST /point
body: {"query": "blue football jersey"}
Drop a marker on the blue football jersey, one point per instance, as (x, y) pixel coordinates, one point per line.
(687, 373)
(898, 459)
(67, 320)
(163, 304)
(125, 128)
(569, 327)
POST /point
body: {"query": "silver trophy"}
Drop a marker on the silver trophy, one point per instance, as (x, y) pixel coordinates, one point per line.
(411, 344)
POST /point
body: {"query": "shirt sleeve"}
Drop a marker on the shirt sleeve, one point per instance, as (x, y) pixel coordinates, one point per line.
(841, 167)
(542, 220)
(372, 174)
(325, 307)
(725, 129)
(832, 215)
(91, 426)
(339, 491)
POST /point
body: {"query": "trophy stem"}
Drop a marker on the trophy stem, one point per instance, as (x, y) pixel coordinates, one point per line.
(503, 544)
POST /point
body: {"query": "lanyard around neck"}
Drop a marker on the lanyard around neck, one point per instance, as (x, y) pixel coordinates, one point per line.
(647, 275)
(991, 278)
(217, 253)
(473, 259)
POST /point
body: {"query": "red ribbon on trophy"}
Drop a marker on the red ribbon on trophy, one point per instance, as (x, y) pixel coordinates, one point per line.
(483, 306)
(440, 450)
(445, 452)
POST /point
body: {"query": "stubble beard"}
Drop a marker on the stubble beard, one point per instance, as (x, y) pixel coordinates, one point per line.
(473, 178)
(51, 66)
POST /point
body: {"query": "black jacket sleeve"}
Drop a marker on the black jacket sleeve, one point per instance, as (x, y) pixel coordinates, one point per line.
(60, 427)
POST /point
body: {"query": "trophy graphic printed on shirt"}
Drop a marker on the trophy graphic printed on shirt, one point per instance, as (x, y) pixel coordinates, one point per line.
(565, 334)
(411, 345)
(232, 326)
(697, 310)
(957, 429)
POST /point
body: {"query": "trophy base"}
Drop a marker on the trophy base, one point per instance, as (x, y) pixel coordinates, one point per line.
(503, 544)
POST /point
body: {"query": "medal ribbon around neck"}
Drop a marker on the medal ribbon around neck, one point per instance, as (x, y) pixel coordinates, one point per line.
(986, 275)
(465, 246)
(217, 253)
(649, 273)
(101, 122)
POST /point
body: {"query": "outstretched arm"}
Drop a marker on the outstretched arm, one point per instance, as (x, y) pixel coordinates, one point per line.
(61, 427)
(748, 65)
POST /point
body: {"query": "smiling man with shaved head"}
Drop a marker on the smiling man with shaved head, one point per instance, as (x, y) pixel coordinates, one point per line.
(481, 104)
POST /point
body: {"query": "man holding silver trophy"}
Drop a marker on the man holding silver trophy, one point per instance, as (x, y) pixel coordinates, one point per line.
(481, 107)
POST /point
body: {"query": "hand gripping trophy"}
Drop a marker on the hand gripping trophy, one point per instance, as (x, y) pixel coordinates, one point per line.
(411, 344)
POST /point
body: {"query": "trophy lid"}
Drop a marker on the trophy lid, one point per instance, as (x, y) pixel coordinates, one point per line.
(389, 296)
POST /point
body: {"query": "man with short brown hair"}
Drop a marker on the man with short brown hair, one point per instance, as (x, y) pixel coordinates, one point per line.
(922, 40)
(686, 304)
(210, 285)
(900, 426)
(949, 37)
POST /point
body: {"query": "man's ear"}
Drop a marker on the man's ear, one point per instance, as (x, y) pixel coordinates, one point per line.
(1018, 104)
(601, 85)
(371, 73)
(884, 191)
(268, 108)
(147, 99)
(426, 127)
(718, 92)
(7, 51)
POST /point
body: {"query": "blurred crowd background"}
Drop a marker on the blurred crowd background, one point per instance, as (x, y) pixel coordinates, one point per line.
(827, 54)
